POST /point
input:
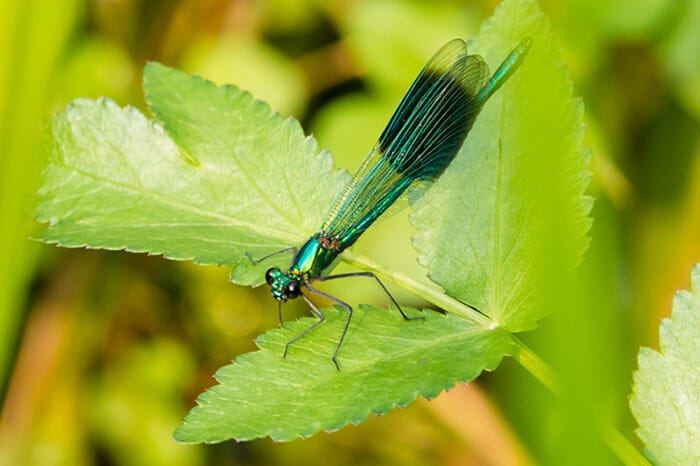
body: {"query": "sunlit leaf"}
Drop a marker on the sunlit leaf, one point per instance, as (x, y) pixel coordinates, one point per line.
(240, 179)
(513, 198)
(385, 362)
(666, 399)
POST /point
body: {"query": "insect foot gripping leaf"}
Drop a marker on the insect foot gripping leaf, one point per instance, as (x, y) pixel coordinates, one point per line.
(666, 398)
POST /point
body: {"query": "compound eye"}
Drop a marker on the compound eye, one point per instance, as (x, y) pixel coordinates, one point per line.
(292, 290)
(271, 274)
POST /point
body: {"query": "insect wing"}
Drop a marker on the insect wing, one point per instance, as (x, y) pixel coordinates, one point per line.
(421, 139)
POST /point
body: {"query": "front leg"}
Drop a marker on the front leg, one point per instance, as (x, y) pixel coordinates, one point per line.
(321, 318)
(292, 249)
(347, 322)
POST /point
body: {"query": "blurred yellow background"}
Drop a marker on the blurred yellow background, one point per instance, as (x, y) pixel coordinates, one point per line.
(102, 353)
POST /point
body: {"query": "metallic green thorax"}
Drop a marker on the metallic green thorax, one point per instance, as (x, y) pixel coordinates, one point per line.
(309, 262)
(313, 258)
(418, 144)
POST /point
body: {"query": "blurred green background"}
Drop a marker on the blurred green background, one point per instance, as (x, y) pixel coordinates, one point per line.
(102, 354)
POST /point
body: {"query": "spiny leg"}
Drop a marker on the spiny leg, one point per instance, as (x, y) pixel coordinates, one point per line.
(347, 322)
(279, 313)
(372, 275)
(293, 249)
(321, 317)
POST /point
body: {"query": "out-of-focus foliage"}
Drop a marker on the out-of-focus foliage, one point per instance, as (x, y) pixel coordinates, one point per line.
(240, 60)
(95, 67)
(680, 54)
(26, 66)
(78, 327)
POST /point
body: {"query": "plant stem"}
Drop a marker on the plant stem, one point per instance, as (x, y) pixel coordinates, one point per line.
(617, 442)
(621, 447)
(536, 366)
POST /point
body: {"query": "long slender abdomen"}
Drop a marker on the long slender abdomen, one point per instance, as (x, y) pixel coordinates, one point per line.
(507, 68)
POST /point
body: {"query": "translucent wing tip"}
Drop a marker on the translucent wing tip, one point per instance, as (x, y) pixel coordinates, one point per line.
(474, 74)
(446, 57)
(452, 60)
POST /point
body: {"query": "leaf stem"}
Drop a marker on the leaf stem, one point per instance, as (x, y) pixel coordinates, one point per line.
(536, 366)
(617, 442)
(621, 447)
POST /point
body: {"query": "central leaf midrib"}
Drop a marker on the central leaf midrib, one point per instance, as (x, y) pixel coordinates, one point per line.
(169, 201)
(420, 346)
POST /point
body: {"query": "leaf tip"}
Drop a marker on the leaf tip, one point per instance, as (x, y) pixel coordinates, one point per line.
(181, 435)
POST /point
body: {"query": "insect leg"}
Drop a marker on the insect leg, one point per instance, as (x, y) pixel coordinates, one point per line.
(321, 318)
(372, 275)
(279, 313)
(293, 249)
(347, 307)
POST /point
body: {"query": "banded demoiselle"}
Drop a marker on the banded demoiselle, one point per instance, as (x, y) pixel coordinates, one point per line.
(423, 136)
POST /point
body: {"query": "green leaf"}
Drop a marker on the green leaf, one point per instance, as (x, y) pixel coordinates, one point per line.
(666, 398)
(240, 179)
(385, 362)
(510, 214)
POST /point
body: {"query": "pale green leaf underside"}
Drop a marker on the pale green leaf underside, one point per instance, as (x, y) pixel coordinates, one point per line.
(666, 399)
(483, 228)
(237, 178)
(385, 362)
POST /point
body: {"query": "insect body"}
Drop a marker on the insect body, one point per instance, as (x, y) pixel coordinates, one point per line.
(421, 139)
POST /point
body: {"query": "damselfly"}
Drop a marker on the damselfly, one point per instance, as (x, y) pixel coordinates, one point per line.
(422, 137)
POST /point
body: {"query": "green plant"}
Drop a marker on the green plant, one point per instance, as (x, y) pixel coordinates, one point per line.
(502, 230)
